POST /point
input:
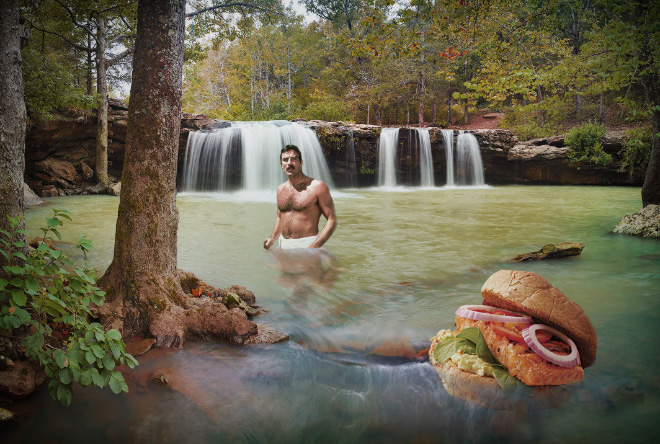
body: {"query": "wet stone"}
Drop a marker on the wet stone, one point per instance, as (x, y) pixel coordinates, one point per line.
(268, 335)
(139, 346)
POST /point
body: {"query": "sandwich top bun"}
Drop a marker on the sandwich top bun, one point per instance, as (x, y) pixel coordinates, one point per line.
(527, 292)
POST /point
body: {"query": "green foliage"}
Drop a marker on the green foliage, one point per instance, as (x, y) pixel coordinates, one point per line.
(585, 143)
(364, 169)
(51, 85)
(636, 151)
(329, 108)
(458, 113)
(525, 123)
(42, 293)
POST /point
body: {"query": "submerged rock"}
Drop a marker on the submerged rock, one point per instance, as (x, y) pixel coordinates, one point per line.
(21, 379)
(268, 335)
(644, 223)
(138, 346)
(562, 249)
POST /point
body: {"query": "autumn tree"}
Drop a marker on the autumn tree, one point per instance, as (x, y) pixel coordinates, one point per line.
(628, 44)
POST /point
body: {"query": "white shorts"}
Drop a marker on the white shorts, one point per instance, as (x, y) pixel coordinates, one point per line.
(303, 242)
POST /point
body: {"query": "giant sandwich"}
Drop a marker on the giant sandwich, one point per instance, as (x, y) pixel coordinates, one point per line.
(525, 334)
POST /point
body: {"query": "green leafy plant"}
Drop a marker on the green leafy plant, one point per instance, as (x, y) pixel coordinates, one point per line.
(45, 305)
(470, 341)
(526, 123)
(636, 151)
(585, 143)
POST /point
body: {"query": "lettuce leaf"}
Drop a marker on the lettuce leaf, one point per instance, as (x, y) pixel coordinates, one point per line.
(473, 334)
(450, 345)
(472, 342)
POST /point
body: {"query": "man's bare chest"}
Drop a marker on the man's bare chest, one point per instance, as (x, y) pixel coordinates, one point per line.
(292, 200)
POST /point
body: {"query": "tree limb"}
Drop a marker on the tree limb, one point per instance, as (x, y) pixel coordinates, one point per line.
(73, 44)
(117, 58)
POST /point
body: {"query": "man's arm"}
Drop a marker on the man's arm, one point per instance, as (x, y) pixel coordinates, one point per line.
(277, 230)
(328, 209)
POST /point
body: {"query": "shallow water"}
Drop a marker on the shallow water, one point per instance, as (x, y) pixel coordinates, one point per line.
(403, 262)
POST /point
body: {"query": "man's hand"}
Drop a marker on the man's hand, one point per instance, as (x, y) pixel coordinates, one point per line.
(269, 243)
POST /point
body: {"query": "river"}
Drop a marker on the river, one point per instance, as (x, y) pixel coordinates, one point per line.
(403, 261)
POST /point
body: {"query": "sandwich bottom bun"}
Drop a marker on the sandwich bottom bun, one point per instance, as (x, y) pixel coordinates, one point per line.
(484, 390)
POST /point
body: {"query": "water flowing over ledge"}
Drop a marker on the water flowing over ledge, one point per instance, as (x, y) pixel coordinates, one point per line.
(242, 158)
(59, 154)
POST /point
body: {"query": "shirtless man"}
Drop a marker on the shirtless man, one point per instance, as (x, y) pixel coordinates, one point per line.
(301, 201)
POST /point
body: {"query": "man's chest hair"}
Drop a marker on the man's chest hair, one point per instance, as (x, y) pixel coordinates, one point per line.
(292, 200)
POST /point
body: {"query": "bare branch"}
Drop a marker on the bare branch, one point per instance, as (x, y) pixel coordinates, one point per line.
(75, 21)
(66, 39)
(118, 58)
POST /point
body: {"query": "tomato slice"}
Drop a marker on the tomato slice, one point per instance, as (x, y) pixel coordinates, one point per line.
(514, 332)
(509, 333)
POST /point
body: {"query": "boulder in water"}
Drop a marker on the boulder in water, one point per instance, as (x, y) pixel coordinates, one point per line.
(644, 223)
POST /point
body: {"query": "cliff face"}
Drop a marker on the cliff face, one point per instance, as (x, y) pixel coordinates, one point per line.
(60, 153)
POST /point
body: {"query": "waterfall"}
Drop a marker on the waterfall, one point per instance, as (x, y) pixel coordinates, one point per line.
(351, 166)
(425, 158)
(448, 136)
(389, 138)
(213, 156)
(209, 158)
(469, 168)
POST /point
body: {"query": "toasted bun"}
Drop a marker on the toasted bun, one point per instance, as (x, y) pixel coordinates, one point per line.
(529, 293)
(484, 390)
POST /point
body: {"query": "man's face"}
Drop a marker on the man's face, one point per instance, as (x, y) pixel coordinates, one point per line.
(291, 163)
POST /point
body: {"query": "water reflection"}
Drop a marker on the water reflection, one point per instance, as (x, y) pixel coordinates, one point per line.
(306, 269)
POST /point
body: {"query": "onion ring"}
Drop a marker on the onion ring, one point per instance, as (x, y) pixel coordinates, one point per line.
(468, 312)
(570, 360)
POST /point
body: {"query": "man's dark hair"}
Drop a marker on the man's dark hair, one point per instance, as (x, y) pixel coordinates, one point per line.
(289, 148)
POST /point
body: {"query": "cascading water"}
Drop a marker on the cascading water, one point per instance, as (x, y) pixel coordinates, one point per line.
(425, 158)
(448, 136)
(389, 138)
(387, 146)
(469, 168)
(210, 155)
(350, 159)
(209, 158)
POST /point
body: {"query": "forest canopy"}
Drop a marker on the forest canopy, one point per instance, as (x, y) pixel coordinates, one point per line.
(409, 62)
(547, 64)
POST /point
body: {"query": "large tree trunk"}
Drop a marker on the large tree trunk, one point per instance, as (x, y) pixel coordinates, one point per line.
(144, 294)
(12, 118)
(651, 187)
(101, 165)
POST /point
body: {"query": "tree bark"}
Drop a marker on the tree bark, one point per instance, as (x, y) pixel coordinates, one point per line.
(435, 120)
(420, 113)
(144, 294)
(12, 118)
(101, 165)
(651, 187)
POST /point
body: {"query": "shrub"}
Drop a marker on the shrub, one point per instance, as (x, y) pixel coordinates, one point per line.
(636, 151)
(328, 108)
(458, 113)
(42, 291)
(525, 123)
(585, 143)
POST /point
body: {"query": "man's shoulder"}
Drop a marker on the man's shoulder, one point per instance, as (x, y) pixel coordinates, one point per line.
(318, 183)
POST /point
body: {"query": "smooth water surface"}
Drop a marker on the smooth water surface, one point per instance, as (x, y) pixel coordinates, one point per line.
(403, 262)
